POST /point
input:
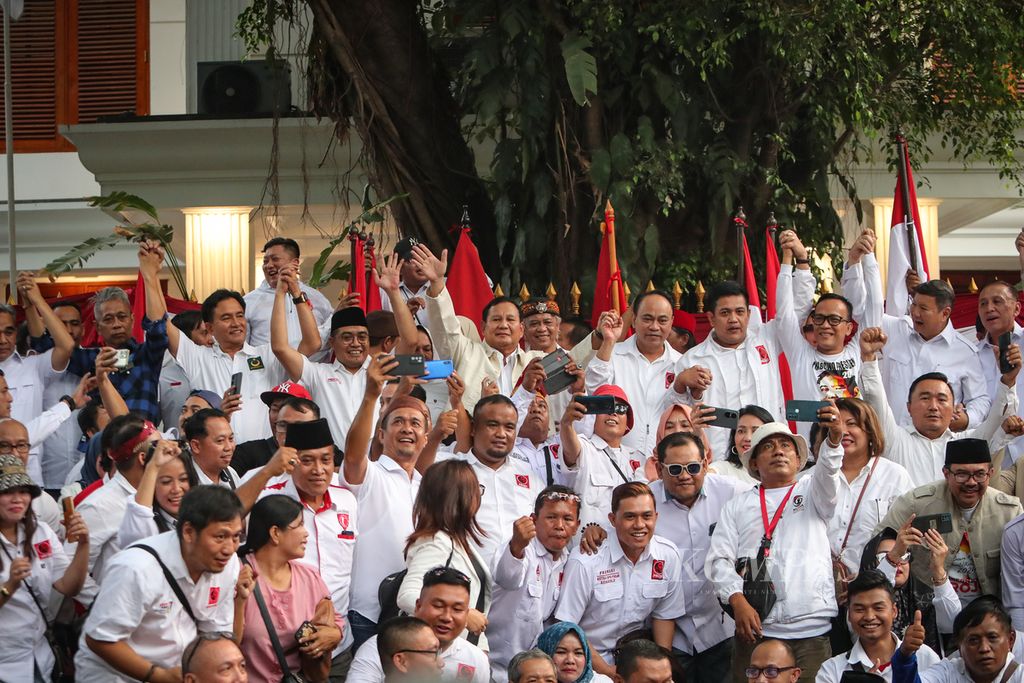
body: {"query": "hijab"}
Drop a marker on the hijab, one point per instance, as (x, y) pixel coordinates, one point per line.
(686, 411)
(552, 636)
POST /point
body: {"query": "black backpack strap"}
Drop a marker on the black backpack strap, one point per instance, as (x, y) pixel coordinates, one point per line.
(171, 581)
(474, 638)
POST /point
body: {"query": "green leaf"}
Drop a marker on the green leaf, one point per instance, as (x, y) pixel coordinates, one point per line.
(79, 254)
(123, 201)
(580, 67)
(622, 154)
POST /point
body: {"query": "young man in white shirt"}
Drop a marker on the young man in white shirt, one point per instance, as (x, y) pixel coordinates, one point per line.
(444, 605)
(279, 254)
(409, 651)
(635, 576)
(138, 626)
(528, 575)
(212, 443)
(998, 308)
(784, 521)
(872, 610)
(596, 464)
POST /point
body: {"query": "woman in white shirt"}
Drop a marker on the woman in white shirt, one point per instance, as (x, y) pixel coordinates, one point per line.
(154, 508)
(32, 566)
(446, 534)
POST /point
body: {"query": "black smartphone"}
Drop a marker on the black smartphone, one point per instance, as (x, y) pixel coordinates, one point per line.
(804, 411)
(597, 405)
(409, 365)
(557, 378)
(942, 522)
(724, 417)
(236, 383)
(1004, 346)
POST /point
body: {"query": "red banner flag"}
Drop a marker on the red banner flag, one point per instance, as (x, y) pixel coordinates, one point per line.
(609, 277)
(372, 291)
(467, 282)
(906, 241)
(771, 271)
(749, 280)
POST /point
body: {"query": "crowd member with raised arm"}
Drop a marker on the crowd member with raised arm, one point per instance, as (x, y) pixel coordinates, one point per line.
(920, 448)
(251, 455)
(153, 510)
(413, 283)
(781, 525)
(174, 385)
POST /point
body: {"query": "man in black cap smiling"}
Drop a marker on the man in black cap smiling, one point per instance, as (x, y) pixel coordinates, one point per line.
(973, 517)
(328, 512)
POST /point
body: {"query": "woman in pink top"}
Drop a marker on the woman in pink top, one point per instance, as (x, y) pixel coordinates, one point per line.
(293, 593)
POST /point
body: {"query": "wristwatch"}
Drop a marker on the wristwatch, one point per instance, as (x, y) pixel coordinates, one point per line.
(300, 299)
(70, 402)
(803, 261)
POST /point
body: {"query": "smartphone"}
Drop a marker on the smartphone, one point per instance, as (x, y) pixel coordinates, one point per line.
(438, 369)
(597, 405)
(122, 357)
(409, 365)
(1004, 346)
(557, 378)
(942, 522)
(724, 417)
(804, 411)
(69, 509)
(236, 384)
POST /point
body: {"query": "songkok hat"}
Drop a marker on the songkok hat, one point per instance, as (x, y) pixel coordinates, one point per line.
(352, 316)
(210, 397)
(405, 402)
(381, 324)
(537, 306)
(967, 452)
(765, 431)
(13, 475)
(308, 436)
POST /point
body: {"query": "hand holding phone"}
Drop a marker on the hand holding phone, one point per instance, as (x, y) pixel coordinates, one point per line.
(1005, 366)
(236, 384)
(411, 364)
(804, 411)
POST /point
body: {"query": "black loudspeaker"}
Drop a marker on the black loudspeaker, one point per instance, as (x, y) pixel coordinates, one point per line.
(242, 88)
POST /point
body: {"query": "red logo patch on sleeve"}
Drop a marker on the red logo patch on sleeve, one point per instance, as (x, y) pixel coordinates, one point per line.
(214, 596)
(465, 672)
(763, 352)
(43, 550)
(523, 480)
(657, 570)
(669, 378)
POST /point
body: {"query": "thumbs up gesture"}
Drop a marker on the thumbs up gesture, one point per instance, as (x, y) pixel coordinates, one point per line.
(913, 639)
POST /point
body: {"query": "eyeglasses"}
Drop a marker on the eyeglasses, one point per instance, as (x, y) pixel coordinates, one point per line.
(959, 477)
(903, 559)
(7, 446)
(692, 468)
(348, 337)
(192, 648)
(436, 654)
(770, 672)
(832, 320)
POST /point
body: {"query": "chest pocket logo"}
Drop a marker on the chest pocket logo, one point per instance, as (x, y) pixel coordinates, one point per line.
(256, 363)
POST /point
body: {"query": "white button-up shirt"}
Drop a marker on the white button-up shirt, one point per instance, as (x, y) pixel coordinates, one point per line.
(539, 455)
(102, 512)
(525, 593)
(139, 607)
(889, 481)
(259, 303)
(608, 595)
(174, 391)
(338, 392)
(645, 384)
(1012, 570)
(704, 624)
(59, 452)
(463, 661)
(990, 368)
(421, 293)
(599, 469)
(23, 645)
(922, 457)
(507, 493)
(332, 541)
(208, 367)
(39, 429)
(228, 472)
(832, 670)
(385, 500)
(952, 671)
(27, 378)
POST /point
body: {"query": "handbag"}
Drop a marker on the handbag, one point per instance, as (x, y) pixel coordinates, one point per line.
(63, 660)
(840, 572)
(289, 676)
(758, 588)
(387, 592)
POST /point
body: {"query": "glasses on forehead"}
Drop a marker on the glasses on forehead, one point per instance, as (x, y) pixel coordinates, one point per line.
(770, 672)
(193, 647)
(692, 468)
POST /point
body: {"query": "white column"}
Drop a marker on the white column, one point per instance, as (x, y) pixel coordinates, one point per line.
(929, 210)
(217, 249)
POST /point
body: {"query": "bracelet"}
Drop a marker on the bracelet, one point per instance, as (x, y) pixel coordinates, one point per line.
(939, 582)
(4, 591)
(802, 261)
(70, 402)
(587, 526)
(149, 674)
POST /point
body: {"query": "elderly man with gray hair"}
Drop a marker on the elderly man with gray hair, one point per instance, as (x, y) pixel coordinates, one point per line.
(532, 666)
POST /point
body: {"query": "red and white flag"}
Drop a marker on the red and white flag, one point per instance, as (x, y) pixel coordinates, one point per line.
(900, 257)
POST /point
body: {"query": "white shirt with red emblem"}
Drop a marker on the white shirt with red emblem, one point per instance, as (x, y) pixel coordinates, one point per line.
(598, 471)
(506, 494)
(539, 455)
(608, 595)
(463, 661)
(332, 541)
(137, 605)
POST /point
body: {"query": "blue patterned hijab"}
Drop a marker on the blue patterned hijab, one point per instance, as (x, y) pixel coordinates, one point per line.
(549, 640)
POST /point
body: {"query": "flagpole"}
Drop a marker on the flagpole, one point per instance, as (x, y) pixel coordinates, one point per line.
(9, 149)
(908, 213)
(739, 222)
(609, 219)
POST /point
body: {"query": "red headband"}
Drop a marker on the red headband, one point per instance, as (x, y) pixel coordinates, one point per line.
(125, 450)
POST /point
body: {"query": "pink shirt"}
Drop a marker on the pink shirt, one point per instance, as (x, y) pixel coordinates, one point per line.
(288, 609)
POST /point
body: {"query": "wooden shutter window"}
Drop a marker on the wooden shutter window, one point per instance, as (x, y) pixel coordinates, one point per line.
(108, 55)
(34, 82)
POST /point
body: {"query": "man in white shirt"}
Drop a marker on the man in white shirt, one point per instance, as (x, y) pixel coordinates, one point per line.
(409, 651)
(920, 448)
(872, 610)
(282, 253)
(414, 283)
(528, 575)
(536, 442)
(444, 605)
(781, 528)
(643, 365)
(212, 444)
(998, 308)
(174, 385)
(138, 626)
(636, 576)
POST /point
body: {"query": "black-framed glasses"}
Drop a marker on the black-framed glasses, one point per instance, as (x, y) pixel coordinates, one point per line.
(959, 477)
(436, 654)
(770, 672)
(692, 468)
(192, 648)
(832, 320)
(7, 446)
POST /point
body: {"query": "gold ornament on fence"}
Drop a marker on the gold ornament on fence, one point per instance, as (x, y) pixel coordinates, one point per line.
(677, 294)
(551, 292)
(575, 294)
(524, 293)
(700, 292)
(498, 291)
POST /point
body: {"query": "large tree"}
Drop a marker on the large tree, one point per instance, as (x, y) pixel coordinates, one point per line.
(678, 112)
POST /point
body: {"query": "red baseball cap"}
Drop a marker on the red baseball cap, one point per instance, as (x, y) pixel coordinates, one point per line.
(616, 391)
(684, 321)
(285, 390)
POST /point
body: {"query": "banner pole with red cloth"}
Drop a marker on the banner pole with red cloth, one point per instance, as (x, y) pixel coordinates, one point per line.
(772, 268)
(467, 282)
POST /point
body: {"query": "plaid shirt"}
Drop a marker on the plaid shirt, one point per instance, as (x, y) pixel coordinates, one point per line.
(139, 386)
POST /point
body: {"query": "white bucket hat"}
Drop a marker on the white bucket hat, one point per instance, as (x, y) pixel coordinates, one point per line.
(765, 431)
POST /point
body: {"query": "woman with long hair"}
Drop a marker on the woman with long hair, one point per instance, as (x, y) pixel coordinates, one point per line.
(566, 644)
(446, 534)
(293, 594)
(166, 479)
(32, 566)
(750, 417)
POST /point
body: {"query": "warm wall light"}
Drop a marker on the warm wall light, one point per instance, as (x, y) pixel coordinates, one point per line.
(929, 210)
(217, 252)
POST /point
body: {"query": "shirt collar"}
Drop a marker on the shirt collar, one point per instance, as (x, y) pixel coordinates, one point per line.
(388, 463)
(119, 480)
(1017, 332)
(858, 655)
(338, 367)
(512, 357)
(247, 349)
(617, 554)
(718, 348)
(290, 490)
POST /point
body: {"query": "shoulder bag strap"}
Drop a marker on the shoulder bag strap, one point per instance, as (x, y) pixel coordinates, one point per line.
(474, 638)
(547, 464)
(171, 581)
(856, 506)
(271, 631)
(1010, 670)
(611, 459)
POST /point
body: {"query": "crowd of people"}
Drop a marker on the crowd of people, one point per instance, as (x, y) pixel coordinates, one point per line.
(277, 489)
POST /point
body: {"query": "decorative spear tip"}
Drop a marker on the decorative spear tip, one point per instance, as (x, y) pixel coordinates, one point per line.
(772, 223)
(740, 214)
(465, 215)
(608, 207)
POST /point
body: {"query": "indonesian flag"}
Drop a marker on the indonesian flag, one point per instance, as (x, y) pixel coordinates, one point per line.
(467, 282)
(900, 259)
(749, 279)
(608, 276)
(772, 268)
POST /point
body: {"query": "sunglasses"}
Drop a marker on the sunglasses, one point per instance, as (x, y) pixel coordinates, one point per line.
(692, 468)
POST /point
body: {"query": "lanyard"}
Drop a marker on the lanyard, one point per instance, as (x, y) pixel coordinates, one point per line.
(769, 528)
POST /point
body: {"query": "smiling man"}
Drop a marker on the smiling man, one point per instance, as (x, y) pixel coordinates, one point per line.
(212, 443)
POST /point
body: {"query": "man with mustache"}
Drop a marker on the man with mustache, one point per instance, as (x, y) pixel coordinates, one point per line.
(978, 516)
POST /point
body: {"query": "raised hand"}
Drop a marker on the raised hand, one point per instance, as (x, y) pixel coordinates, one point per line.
(82, 389)
(283, 461)
(906, 537)
(488, 387)
(913, 637)
(574, 412)
(936, 544)
(447, 423)
(29, 288)
(872, 340)
(350, 300)
(151, 257)
(828, 418)
(105, 360)
(865, 244)
(523, 531)
(165, 452)
(912, 280)
(77, 531)
(377, 373)
(1013, 357)
(788, 240)
(1014, 425)
(1019, 243)
(230, 403)
(244, 584)
(533, 375)
(593, 537)
(610, 325)
(456, 389)
(432, 267)
(390, 276)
